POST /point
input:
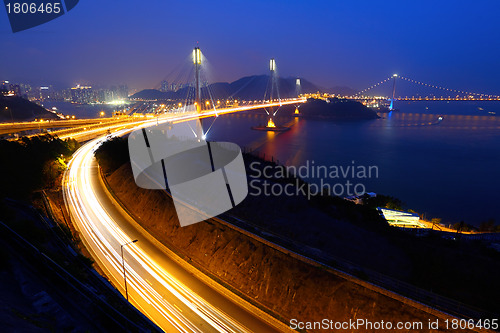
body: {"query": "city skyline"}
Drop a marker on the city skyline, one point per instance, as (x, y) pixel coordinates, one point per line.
(365, 42)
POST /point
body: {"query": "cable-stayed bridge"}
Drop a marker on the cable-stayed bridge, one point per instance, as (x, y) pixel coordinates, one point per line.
(188, 90)
(201, 101)
(167, 289)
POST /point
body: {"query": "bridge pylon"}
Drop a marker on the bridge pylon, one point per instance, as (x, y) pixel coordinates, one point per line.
(273, 91)
(197, 86)
(391, 107)
(298, 91)
(272, 78)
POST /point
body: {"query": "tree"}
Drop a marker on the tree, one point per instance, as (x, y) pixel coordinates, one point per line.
(487, 226)
(435, 221)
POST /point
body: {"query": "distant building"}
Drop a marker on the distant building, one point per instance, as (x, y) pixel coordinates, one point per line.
(123, 91)
(45, 92)
(164, 86)
(398, 218)
(16, 89)
(83, 95)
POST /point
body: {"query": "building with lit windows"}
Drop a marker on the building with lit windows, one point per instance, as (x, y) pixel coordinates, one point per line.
(398, 218)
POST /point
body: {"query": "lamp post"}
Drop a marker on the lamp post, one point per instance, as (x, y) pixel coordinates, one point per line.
(123, 265)
(11, 118)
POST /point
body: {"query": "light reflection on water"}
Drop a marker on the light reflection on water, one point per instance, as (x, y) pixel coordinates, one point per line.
(445, 168)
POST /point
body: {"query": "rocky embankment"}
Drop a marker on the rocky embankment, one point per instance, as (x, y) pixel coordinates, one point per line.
(289, 287)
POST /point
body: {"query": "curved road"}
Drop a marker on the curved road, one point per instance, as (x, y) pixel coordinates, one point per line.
(174, 298)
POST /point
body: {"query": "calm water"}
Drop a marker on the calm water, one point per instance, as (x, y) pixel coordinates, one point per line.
(446, 169)
(81, 111)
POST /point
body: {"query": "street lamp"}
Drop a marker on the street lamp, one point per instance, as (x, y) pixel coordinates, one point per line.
(11, 118)
(123, 265)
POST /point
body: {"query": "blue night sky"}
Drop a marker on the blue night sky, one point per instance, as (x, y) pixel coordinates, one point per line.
(352, 43)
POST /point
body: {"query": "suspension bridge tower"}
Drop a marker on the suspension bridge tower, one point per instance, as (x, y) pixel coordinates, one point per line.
(391, 107)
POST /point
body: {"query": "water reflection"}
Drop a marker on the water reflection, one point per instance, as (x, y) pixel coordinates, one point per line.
(444, 168)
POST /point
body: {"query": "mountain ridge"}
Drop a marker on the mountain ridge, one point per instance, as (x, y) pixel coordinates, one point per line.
(247, 88)
(15, 108)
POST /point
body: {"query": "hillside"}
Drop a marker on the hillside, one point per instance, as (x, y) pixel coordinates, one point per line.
(336, 109)
(288, 287)
(343, 91)
(333, 109)
(327, 228)
(247, 88)
(22, 110)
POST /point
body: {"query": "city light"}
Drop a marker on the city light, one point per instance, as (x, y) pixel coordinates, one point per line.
(117, 102)
(321, 242)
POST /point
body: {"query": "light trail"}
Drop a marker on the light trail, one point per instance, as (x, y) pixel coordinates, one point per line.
(161, 288)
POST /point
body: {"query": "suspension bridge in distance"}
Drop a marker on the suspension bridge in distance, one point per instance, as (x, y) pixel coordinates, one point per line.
(179, 298)
(201, 102)
(431, 92)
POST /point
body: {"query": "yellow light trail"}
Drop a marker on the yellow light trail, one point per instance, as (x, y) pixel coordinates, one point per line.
(154, 290)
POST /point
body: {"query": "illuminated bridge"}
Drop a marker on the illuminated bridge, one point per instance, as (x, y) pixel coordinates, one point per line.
(201, 102)
(167, 289)
(423, 91)
(40, 125)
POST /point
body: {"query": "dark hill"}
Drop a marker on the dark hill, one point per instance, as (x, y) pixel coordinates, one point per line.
(343, 91)
(22, 110)
(153, 94)
(247, 88)
(336, 109)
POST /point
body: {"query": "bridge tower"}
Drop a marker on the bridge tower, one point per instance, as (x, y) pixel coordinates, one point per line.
(197, 86)
(391, 107)
(298, 91)
(274, 82)
(273, 95)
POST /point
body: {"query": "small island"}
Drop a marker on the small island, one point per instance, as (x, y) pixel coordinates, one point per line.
(15, 108)
(335, 109)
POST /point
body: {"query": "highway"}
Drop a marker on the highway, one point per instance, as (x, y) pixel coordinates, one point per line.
(172, 296)
(16, 127)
